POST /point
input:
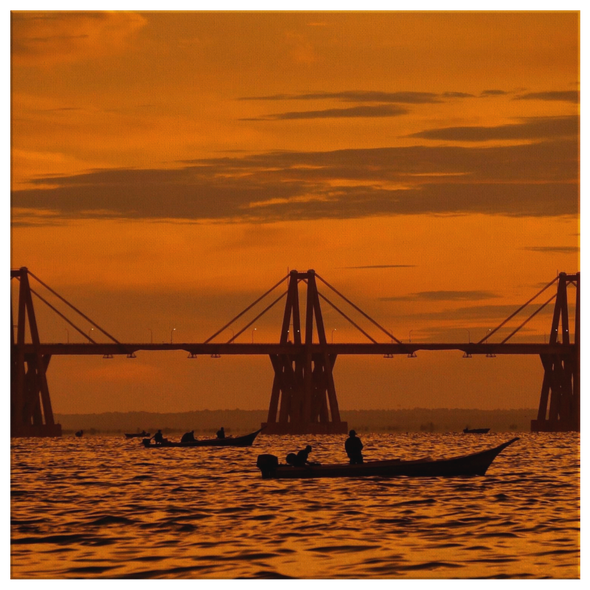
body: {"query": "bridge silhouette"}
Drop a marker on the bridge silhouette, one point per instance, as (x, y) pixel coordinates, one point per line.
(303, 397)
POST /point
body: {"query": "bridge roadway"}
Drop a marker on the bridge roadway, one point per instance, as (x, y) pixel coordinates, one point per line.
(295, 349)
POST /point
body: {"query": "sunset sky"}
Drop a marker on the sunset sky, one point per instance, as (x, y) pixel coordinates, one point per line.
(168, 168)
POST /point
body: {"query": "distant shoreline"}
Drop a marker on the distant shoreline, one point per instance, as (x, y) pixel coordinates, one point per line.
(239, 421)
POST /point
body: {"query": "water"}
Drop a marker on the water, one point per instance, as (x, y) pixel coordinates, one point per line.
(104, 507)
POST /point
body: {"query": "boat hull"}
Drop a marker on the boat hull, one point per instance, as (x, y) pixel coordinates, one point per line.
(476, 430)
(466, 465)
(238, 441)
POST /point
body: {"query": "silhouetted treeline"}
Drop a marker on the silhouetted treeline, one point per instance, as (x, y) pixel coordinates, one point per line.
(242, 421)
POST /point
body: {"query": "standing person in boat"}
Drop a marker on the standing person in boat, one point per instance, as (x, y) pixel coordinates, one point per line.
(221, 433)
(158, 438)
(188, 436)
(353, 447)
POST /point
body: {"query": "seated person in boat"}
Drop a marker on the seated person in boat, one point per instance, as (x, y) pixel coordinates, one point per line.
(353, 447)
(301, 458)
(188, 436)
(158, 438)
(221, 433)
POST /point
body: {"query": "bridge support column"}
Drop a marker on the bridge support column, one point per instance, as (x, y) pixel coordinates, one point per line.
(303, 398)
(30, 408)
(559, 406)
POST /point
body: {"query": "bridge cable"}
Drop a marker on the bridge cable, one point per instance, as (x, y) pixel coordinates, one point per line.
(346, 317)
(359, 310)
(257, 317)
(75, 308)
(529, 318)
(245, 310)
(62, 315)
(518, 310)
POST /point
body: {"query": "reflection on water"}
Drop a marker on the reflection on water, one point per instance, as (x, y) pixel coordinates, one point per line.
(105, 507)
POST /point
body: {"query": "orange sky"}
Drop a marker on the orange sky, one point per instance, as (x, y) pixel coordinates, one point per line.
(168, 168)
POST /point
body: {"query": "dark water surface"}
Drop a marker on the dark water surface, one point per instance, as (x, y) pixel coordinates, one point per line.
(104, 507)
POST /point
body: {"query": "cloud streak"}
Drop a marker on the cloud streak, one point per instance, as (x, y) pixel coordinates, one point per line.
(536, 179)
(554, 249)
(496, 313)
(353, 112)
(362, 96)
(529, 129)
(374, 266)
(443, 296)
(562, 95)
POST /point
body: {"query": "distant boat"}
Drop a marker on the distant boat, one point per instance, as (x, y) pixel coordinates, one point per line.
(137, 434)
(229, 441)
(474, 464)
(476, 430)
(79, 433)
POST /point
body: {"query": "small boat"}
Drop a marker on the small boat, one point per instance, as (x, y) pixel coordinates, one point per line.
(476, 430)
(229, 441)
(137, 434)
(473, 464)
(79, 432)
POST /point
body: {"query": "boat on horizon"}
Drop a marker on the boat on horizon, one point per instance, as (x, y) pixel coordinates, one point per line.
(137, 434)
(476, 430)
(464, 465)
(229, 441)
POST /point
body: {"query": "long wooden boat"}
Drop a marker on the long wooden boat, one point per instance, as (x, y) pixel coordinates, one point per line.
(229, 441)
(476, 430)
(473, 464)
(136, 434)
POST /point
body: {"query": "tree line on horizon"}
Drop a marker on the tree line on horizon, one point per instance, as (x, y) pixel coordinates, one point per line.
(241, 421)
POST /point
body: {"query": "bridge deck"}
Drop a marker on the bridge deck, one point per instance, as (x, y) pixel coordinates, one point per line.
(270, 348)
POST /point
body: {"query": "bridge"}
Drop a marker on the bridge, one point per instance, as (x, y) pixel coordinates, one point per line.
(303, 397)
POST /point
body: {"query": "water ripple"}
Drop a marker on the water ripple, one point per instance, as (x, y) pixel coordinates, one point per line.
(104, 507)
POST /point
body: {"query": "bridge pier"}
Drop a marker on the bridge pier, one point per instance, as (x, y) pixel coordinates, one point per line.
(30, 408)
(559, 406)
(303, 398)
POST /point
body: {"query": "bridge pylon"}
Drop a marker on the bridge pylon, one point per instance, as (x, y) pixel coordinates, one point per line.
(303, 398)
(559, 406)
(30, 408)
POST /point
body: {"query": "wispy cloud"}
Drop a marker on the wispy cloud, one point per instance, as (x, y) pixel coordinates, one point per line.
(561, 95)
(360, 111)
(443, 296)
(530, 128)
(553, 249)
(493, 92)
(362, 96)
(479, 312)
(538, 179)
(52, 37)
(381, 266)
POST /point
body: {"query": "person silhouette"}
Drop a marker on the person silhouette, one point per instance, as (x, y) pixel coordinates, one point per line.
(353, 447)
(221, 433)
(301, 458)
(158, 438)
(188, 436)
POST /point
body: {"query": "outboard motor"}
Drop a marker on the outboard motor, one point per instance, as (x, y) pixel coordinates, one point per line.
(146, 442)
(267, 464)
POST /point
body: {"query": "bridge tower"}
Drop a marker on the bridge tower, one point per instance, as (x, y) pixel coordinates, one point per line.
(559, 406)
(30, 408)
(303, 398)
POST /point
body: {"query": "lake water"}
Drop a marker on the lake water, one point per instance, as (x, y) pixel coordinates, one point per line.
(105, 507)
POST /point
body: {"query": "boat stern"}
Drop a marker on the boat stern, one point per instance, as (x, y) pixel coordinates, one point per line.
(267, 465)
